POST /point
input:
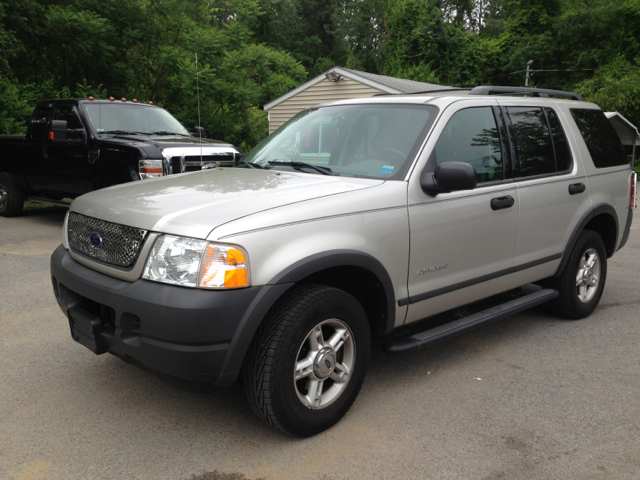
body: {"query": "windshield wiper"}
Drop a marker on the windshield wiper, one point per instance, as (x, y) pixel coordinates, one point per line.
(322, 170)
(162, 132)
(250, 165)
(124, 132)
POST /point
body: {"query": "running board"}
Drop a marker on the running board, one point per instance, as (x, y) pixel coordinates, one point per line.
(49, 201)
(463, 325)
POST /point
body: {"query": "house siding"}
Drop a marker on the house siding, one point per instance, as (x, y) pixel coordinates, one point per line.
(322, 92)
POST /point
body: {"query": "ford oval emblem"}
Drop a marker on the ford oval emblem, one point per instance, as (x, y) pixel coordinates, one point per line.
(95, 239)
(327, 363)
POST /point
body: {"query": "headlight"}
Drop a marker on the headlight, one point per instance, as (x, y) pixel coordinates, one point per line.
(65, 232)
(150, 168)
(196, 263)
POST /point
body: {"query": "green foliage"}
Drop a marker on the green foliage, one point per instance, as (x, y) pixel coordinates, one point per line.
(252, 51)
(616, 88)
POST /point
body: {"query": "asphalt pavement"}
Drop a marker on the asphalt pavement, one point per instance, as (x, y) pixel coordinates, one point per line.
(529, 397)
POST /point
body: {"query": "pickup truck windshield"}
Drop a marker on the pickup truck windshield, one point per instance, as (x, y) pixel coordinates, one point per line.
(133, 118)
(367, 141)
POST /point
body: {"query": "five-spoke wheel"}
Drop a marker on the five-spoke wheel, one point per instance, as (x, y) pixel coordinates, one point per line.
(323, 367)
(588, 277)
(582, 280)
(308, 360)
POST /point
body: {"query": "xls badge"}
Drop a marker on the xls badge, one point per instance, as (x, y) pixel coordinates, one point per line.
(95, 239)
(432, 269)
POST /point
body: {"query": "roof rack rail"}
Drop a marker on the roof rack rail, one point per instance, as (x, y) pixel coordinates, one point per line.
(439, 90)
(536, 92)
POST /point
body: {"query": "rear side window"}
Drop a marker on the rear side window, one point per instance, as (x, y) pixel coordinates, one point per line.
(601, 138)
(560, 143)
(532, 140)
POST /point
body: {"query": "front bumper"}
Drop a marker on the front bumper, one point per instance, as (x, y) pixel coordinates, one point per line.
(183, 332)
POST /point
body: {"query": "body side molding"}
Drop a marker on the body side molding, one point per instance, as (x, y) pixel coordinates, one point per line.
(474, 281)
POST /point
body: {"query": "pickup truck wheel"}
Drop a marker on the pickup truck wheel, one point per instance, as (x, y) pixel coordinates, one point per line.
(11, 197)
(582, 281)
(308, 360)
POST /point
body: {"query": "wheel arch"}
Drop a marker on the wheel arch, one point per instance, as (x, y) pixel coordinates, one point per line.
(349, 270)
(358, 273)
(602, 219)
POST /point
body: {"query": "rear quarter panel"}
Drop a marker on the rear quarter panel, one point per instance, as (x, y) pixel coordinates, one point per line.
(611, 185)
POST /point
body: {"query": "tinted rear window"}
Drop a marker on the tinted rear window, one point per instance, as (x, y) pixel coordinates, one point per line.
(601, 138)
(532, 139)
(560, 143)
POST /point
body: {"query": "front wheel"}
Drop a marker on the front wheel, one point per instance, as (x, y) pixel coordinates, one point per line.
(11, 197)
(582, 281)
(308, 360)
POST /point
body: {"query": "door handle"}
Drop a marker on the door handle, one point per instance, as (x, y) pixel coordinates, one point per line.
(502, 202)
(576, 188)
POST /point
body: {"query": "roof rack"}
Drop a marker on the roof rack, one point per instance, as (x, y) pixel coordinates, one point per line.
(439, 90)
(536, 92)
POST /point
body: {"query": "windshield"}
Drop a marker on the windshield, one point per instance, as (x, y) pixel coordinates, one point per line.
(368, 141)
(132, 118)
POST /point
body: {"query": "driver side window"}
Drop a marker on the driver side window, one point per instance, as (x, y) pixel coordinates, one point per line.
(471, 136)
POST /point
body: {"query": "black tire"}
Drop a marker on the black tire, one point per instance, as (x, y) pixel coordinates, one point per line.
(11, 197)
(568, 304)
(282, 344)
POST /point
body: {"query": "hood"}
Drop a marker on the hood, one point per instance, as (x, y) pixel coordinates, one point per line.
(165, 141)
(193, 204)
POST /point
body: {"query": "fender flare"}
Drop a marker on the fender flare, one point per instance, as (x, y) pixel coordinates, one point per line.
(282, 282)
(344, 258)
(594, 211)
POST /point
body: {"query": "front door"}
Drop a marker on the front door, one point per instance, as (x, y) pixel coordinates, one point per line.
(462, 240)
(68, 163)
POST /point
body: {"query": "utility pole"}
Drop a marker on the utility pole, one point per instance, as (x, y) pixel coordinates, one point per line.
(526, 80)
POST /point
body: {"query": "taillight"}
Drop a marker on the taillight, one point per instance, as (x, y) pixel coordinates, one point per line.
(634, 189)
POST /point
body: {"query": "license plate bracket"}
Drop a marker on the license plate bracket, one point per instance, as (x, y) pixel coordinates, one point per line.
(86, 328)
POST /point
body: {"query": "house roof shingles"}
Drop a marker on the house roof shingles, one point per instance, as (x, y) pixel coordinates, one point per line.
(400, 84)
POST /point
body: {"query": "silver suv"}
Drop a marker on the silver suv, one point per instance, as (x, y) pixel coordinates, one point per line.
(413, 218)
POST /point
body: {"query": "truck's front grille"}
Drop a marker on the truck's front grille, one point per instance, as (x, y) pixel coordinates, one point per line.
(105, 241)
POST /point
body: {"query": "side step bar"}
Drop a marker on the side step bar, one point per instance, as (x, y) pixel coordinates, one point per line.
(451, 329)
(48, 201)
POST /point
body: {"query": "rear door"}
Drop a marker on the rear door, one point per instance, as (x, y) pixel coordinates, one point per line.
(459, 243)
(552, 187)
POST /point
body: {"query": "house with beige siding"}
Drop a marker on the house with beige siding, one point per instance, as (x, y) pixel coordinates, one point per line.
(338, 83)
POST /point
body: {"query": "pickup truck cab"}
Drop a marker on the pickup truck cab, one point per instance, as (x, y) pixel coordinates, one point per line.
(75, 146)
(408, 217)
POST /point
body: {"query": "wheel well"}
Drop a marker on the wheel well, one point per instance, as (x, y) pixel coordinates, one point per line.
(363, 285)
(605, 226)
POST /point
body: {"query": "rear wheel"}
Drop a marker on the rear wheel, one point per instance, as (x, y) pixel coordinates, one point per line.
(308, 361)
(11, 197)
(582, 281)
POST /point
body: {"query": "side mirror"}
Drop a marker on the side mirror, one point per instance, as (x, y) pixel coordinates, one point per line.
(60, 133)
(449, 177)
(199, 132)
(58, 129)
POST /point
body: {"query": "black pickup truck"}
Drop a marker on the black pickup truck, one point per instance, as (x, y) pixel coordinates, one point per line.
(75, 146)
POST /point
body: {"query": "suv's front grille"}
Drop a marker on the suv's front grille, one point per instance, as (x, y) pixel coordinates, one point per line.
(105, 241)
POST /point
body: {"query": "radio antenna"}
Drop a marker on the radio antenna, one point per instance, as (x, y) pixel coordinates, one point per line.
(198, 96)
